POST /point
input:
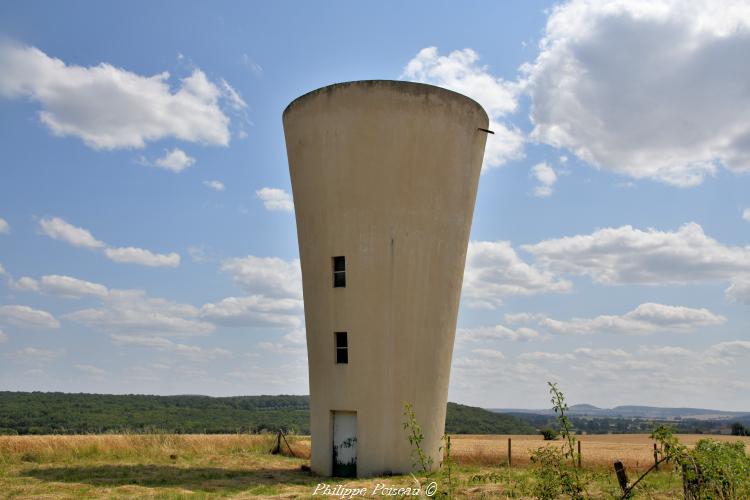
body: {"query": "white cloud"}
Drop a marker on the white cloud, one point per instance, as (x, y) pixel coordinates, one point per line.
(514, 318)
(189, 351)
(109, 107)
(497, 332)
(27, 317)
(58, 229)
(275, 199)
(24, 284)
(61, 286)
(730, 349)
(587, 352)
(255, 68)
(232, 96)
(4, 226)
(176, 161)
(95, 371)
(32, 354)
(2, 270)
(626, 255)
(130, 311)
(646, 89)
(215, 185)
(667, 351)
(746, 214)
(67, 286)
(739, 290)
(269, 276)
(546, 176)
(645, 319)
(494, 271)
(489, 353)
(133, 255)
(459, 71)
(254, 311)
(3, 337)
(547, 356)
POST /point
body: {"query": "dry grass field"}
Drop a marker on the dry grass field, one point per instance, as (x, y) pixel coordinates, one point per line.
(598, 450)
(240, 466)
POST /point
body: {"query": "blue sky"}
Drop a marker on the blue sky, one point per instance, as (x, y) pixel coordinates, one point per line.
(145, 219)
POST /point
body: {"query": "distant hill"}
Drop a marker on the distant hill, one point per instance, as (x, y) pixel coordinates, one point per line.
(461, 419)
(632, 411)
(61, 413)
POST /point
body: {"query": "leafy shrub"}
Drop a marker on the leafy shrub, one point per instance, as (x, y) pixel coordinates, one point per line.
(554, 469)
(711, 470)
(549, 434)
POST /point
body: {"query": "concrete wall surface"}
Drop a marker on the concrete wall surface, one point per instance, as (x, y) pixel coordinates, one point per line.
(384, 173)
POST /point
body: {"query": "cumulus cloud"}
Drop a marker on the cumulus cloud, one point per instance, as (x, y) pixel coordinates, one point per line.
(215, 185)
(646, 89)
(489, 353)
(133, 255)
(460, 71)
(739, 290)
(254, 311)
(175, 161)
(546, 177)
(61, 286)
(131, 311)
(5, 227)
(161, 344)
(667, 351)
(58, 229)
(33, 354)
(647, 318)
(495, 271)
(92, 370)
(548, 356)
(268, 276)
(730, 349)
(497, 332)
(626, 255)
(275, 199)
(587, 352)
(27, 317)
(109, 107)
(24, 284)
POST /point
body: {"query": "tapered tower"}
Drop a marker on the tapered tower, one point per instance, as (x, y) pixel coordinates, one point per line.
(384, 176)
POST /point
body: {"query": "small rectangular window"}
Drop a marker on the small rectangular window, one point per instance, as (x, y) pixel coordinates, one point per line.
(342, 353)
(339, 272)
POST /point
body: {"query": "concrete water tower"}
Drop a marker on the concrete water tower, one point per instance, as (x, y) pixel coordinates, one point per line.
(384, 176)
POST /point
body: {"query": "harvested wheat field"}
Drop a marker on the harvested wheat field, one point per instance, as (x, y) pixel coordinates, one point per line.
(636, 451)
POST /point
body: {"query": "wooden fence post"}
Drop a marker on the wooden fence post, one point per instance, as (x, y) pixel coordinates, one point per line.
(656, 459)
(579, 453)
(510, 459)
(622, 477)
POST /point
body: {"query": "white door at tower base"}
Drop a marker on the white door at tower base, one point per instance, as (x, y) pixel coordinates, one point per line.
(345, 444)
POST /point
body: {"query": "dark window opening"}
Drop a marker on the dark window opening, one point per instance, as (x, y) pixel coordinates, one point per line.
(339, 272)
(342, 352)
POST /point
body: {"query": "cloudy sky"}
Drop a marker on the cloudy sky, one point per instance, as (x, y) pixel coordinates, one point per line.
(147, 236)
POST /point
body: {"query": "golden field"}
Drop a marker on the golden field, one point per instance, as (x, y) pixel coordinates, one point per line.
(636, 451)
(240, 466)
